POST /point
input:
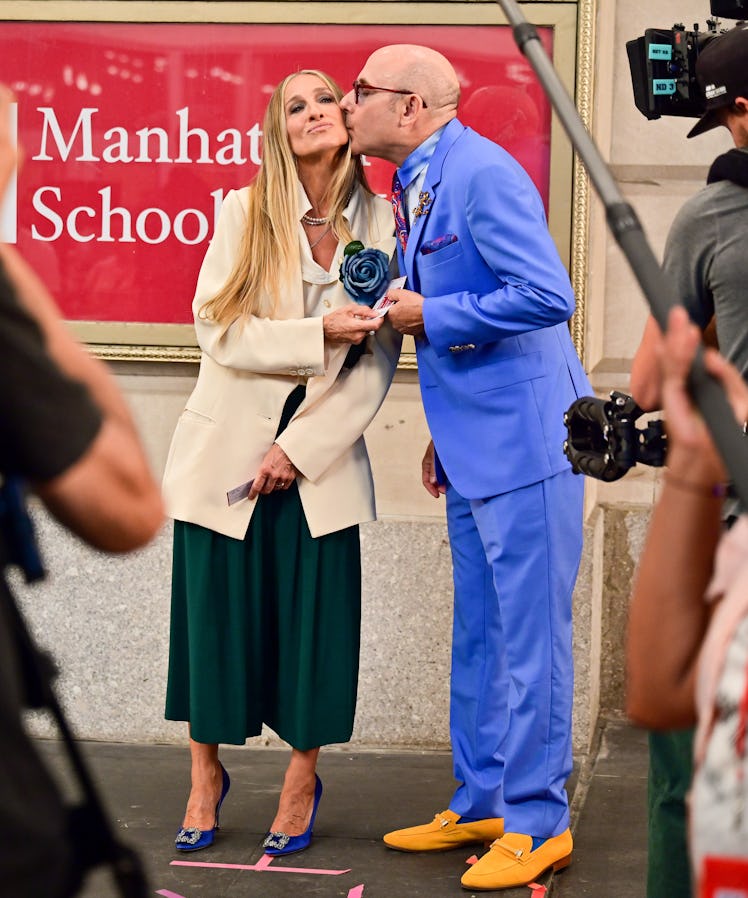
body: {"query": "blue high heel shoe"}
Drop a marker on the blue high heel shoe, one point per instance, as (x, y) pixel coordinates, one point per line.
(278, 843)
(193, 839)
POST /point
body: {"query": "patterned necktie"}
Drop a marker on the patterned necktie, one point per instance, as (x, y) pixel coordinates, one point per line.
(401, 222)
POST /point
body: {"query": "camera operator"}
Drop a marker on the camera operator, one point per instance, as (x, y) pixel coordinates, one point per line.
(66, 430)
(706, 258)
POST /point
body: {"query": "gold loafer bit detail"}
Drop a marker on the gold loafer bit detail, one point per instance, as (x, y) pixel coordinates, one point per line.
(511, 862)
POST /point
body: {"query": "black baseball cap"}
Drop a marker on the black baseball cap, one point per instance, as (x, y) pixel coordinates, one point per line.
(722, 73)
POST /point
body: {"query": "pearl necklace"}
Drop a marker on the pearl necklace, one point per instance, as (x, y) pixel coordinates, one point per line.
(316, 222)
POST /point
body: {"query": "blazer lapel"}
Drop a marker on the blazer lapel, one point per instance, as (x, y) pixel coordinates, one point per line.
(452, 131)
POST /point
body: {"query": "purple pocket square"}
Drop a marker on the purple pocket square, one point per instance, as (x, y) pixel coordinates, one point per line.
(432, 246)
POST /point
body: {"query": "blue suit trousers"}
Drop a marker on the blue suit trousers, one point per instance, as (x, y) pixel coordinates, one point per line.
(515, 560)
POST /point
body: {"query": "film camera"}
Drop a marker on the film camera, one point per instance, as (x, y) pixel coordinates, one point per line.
(603, 440)
(663, 64)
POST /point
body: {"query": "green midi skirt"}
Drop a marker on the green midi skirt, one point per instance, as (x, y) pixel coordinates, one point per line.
(265, 629)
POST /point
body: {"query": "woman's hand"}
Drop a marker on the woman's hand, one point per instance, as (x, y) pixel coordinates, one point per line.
(276, 472)
(351, 324)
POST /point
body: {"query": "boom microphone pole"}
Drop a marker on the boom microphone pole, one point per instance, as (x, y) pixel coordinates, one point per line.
(624, 223)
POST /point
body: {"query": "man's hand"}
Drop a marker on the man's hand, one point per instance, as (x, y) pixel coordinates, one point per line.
(428, 473)
(406, 314)
(276, 472)
(350, 324)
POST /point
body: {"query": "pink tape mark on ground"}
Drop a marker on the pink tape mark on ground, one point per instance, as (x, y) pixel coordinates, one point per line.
(264, 862)
(167, 894)
(259, 867)
(473, 859)
(537, 890)
(356, 891)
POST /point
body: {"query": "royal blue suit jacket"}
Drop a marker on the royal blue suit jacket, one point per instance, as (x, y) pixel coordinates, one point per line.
(496, 365)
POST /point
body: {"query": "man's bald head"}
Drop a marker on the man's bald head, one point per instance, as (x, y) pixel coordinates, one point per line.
(424, 71)
(414, 92)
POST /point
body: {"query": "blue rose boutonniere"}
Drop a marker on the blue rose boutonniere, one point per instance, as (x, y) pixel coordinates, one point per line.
(365, 273)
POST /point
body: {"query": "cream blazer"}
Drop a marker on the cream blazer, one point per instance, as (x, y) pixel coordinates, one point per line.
(247, 373)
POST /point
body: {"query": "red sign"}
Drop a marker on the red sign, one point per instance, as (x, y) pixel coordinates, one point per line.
(133, 133)
(724, 877)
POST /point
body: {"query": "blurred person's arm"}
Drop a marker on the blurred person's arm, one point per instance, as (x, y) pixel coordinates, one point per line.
(644, 384)
(108, 497)
(646, 378)
(668, 615)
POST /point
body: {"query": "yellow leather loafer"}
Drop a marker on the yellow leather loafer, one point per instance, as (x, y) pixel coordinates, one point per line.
(511, 862)
(445, 833)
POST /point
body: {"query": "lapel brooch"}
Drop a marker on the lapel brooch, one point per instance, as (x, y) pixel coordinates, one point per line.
(424, 203)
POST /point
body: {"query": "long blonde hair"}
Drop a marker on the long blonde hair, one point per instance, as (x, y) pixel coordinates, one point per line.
(269, 250)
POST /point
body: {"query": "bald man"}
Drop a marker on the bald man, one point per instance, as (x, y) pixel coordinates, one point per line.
(488, 302)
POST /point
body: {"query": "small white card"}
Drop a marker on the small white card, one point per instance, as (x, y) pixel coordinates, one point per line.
(239, 492)
(381, 305)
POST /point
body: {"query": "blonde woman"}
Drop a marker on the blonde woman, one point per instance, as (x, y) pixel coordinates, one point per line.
(268, 477)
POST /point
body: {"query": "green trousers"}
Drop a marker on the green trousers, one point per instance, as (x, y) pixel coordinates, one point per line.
(670, 771)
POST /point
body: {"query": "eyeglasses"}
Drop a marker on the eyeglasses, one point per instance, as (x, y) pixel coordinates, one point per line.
(360, 87)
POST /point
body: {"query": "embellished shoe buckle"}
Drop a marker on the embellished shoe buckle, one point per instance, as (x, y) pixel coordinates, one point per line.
(188, 836)
(277, 841)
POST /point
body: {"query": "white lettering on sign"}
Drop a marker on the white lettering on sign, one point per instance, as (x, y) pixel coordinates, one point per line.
(106, 223)
(51, 124)
(146, 145)
(102, 220)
